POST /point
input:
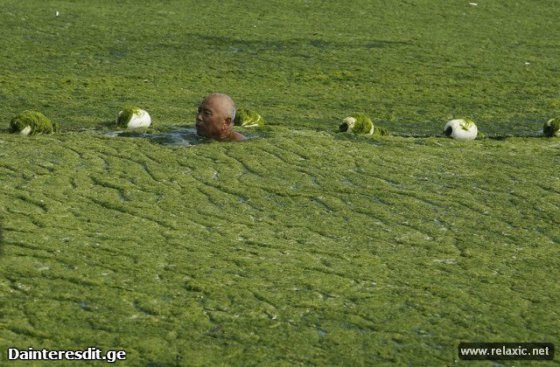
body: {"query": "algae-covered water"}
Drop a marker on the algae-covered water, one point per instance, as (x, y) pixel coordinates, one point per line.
(299, 246)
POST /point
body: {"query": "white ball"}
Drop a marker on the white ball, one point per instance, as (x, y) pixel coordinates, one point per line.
(350, 122)
(137, 118)
(26, 130)
(461, 129)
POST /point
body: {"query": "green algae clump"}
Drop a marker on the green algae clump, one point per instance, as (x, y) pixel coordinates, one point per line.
(125, 115)
(248, 118)
(31, 123)
(467, 124)
(551, 128)
(358, 123)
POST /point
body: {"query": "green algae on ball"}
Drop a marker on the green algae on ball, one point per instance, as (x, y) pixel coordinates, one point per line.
(358, 123)
(133, 117)
(32, 122)
(551, 128)
(248, 118)
(461, 129)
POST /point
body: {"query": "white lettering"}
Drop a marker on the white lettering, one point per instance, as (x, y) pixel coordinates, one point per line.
(13, 353)
(91, 353)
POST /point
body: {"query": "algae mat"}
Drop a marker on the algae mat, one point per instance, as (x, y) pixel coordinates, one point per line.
(304, 63)
(298, 247)
(302, 248)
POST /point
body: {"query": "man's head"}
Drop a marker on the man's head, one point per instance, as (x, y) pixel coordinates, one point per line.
(215, 118)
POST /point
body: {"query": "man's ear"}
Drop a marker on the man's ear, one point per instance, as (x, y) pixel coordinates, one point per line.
(226, 125)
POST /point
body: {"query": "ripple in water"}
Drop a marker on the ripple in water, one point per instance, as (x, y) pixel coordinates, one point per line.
(180, 137)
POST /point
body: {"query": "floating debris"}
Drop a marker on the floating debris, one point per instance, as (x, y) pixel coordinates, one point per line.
(551, 128)
(248, 118)
(134, 118)
(32, 122)
(461, 129)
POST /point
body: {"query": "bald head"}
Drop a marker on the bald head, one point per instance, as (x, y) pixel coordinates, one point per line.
(215, 118)
(223, 102)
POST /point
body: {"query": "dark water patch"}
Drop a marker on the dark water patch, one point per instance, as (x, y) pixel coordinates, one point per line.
(319, 43)
(179, 137)
(491, 129)
(176, 137)
(254, 46)
(384, 43)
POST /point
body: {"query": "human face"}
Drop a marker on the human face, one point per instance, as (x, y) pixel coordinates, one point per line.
(210, 119)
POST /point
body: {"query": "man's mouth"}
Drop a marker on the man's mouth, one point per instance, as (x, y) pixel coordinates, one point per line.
(200, 130)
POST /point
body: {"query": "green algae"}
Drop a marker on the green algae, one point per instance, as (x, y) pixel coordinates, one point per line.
(467, 123)
(302, 247)
(31, 123)
(349, 252)
(361, 123)
(248, 118)
(125, 115)
(358, 123)
(304, 74)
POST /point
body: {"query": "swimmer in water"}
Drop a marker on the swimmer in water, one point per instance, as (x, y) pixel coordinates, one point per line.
(215, 117)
